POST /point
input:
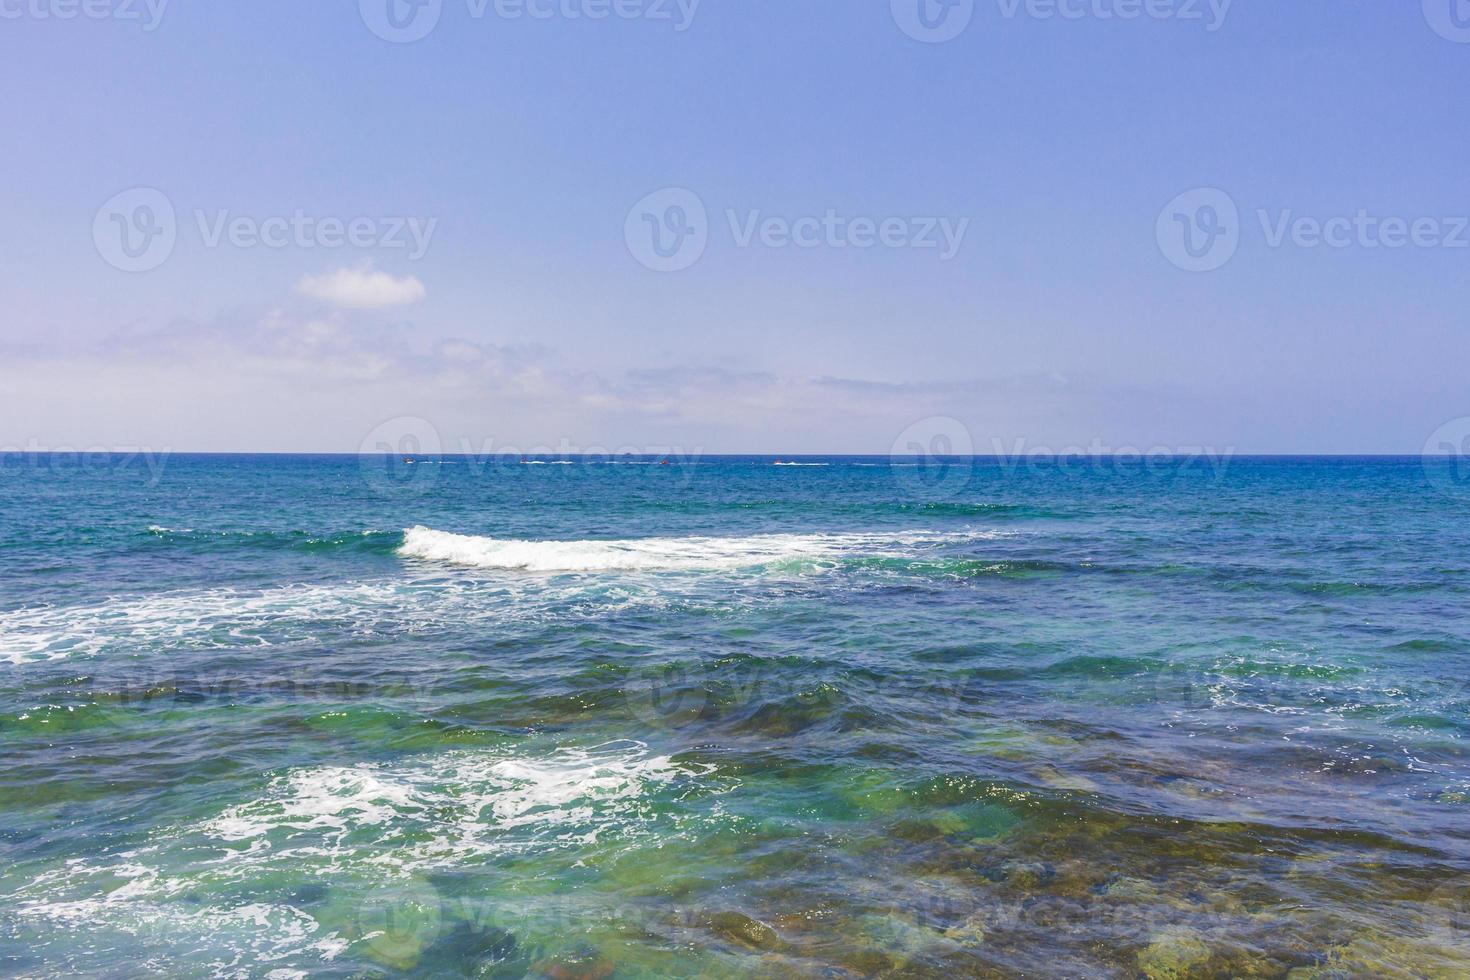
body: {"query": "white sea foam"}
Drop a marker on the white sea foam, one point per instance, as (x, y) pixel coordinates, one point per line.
(658, 554)
(253, 933)
(215, 619)
(464, 804)
(196, 619)
(359, 825)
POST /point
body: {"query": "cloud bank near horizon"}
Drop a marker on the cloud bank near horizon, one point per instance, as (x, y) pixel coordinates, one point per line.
(292, 378)
(329, 364)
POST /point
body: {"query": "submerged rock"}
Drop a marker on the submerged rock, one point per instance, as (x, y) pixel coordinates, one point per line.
(875, 792)
(1135, 889)
(586, 963)
(971, 933)
(311, 893)
(474, 951)
(741, 930)
(1028, 875)
(1173, 955)
(1391, 958)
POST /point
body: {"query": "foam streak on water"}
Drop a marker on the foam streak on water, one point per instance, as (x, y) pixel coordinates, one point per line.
(219, 619)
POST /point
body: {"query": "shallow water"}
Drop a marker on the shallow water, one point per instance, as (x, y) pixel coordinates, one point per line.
(327, 716)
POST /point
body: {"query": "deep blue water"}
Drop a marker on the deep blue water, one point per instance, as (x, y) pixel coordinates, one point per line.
(613, 718)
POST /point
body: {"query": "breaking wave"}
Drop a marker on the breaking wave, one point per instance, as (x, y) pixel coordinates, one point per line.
(664, 554)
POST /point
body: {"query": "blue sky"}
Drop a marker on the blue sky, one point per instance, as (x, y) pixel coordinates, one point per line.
(1060, 319)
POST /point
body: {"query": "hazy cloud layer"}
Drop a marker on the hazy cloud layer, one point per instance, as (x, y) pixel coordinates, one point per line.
(293, 380)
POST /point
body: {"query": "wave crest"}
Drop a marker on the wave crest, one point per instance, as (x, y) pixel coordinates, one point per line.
(657, 554)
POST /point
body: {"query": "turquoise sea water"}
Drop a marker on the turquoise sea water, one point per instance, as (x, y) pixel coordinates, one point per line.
(331, 716)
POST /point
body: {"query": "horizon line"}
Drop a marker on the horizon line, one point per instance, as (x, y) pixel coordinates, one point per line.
(677, 453)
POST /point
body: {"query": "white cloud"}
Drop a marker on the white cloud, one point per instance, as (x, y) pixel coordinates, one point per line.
(362, 289)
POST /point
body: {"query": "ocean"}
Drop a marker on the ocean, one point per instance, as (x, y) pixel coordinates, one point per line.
(281, 716)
